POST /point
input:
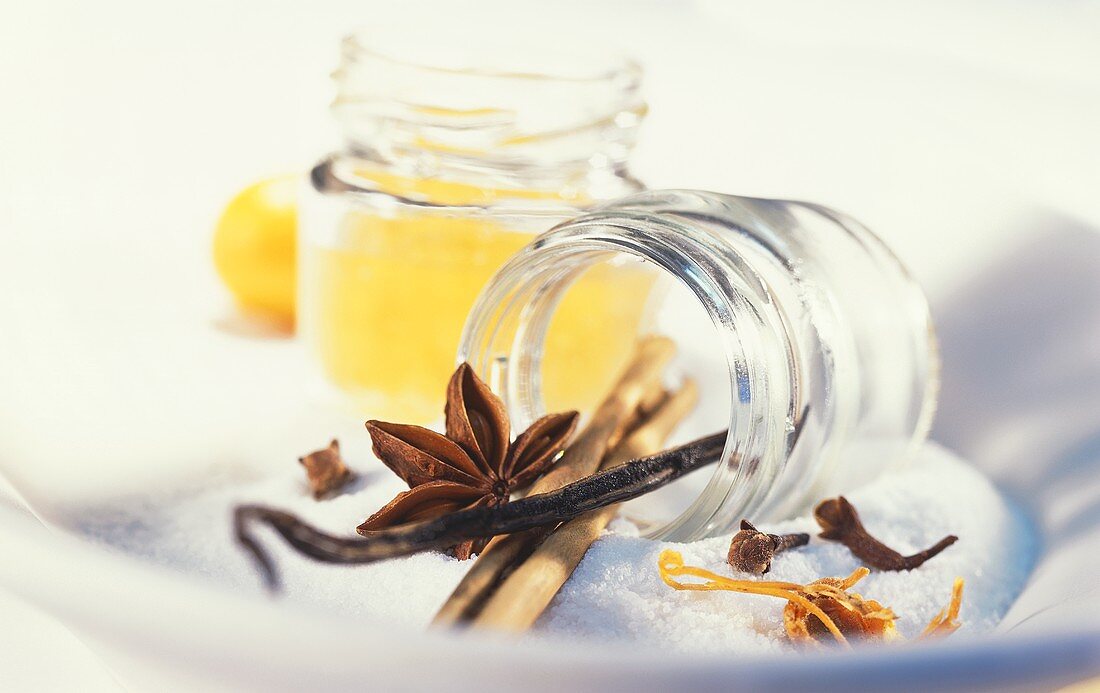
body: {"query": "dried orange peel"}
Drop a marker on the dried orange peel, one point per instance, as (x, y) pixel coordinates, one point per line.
(836, 611)
(946, 621)
(671, 565)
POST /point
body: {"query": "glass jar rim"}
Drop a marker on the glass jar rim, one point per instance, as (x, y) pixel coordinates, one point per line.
(590, 66)
(752, 331)
(791, 413)
(435, 108)
(497, 121)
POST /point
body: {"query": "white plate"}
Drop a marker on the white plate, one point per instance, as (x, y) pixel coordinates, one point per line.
(158, 630)
(1026, 418)
(952, 134)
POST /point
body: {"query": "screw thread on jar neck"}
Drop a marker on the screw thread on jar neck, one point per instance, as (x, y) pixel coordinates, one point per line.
(429, 112)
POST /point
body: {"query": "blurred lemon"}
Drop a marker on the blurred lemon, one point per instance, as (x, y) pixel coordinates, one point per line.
(255, 245)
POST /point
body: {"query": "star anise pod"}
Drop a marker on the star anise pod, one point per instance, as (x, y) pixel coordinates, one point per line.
(473, 465)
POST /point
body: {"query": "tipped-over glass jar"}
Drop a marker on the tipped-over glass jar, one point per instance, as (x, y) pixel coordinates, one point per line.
(814, 342)
(451, 162)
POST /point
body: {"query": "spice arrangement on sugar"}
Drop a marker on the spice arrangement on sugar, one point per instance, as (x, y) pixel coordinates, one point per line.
(525, 551)
(484, 219)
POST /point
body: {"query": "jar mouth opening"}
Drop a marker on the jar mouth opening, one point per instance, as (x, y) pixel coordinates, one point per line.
(437, 109)
(508, 327)
(481, 59)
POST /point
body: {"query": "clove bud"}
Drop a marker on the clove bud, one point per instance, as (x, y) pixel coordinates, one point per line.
(326, 470)
(751, 551)
(840, 522)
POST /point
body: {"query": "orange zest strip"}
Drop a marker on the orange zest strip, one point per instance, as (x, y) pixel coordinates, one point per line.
(857, 575)
(945, 622)
(671, 564)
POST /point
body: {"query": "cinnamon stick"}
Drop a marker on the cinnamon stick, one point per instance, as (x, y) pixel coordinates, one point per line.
(528, 590)
(579, 460)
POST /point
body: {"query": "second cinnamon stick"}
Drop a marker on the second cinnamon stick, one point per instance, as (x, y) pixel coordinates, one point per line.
(580, 459)
(528, 590)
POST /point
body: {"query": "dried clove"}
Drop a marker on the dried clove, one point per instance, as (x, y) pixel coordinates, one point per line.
(751, 551)
(840, 522)
(326, 470)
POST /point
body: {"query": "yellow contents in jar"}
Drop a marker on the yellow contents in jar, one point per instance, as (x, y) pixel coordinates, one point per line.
(385, 304)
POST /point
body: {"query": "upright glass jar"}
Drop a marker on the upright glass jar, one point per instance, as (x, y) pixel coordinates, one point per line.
(814, 324)
(451, 163)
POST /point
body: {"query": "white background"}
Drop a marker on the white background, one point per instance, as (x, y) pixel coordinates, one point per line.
(960, 132)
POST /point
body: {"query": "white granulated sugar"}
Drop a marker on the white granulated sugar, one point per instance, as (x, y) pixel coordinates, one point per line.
(616, 591)
(191, 533)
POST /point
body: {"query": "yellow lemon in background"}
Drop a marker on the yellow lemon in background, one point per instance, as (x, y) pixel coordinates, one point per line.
(255, 246)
